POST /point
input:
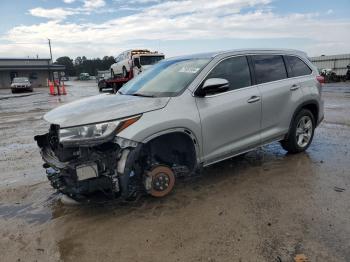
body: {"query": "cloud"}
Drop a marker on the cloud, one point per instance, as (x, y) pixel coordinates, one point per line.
(187, 20)
(68, 1)
(54, 13)
(91, 4)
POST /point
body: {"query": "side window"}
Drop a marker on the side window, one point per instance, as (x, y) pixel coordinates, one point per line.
(269, 68)
(235, 70)
(297, 66)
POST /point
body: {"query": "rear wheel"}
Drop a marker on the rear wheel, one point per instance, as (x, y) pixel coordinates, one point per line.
(301, 132)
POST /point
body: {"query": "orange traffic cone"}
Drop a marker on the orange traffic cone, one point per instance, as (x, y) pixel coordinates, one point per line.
(52, 89)
(63, 89)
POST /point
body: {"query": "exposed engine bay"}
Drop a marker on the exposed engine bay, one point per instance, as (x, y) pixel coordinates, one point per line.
(115, 166)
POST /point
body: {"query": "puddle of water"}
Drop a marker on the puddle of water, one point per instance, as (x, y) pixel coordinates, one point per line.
(26, 212)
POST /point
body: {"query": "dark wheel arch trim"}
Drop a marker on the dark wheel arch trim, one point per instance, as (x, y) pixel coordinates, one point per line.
(305, 104)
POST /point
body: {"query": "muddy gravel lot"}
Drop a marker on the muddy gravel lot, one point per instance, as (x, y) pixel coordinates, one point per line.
(263, 206)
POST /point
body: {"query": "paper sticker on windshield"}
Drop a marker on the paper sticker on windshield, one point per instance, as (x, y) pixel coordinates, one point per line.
(189, 69)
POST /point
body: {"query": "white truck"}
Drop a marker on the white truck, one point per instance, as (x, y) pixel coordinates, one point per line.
(134, 61)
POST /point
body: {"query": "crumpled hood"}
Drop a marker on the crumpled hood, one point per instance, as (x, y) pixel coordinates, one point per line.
(102, 108)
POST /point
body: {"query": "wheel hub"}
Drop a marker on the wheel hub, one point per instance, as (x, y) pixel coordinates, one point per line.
(304, 131)
(162, 180)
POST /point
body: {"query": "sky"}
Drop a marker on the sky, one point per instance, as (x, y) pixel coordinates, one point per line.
(95, 28)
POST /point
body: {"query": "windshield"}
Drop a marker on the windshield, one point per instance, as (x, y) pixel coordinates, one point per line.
(20, 80)
(167, 78)
(150, 60)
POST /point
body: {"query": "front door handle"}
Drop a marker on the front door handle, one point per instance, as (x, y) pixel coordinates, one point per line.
(254, 99)
(294, 87)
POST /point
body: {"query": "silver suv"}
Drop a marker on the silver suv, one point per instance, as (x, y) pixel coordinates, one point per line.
(182, 114)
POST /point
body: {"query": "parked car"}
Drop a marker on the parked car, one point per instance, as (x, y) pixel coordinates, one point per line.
(21, 84)
(102, 76)
(182, 114)
(64, 78)
(84, 76)
(124, 63)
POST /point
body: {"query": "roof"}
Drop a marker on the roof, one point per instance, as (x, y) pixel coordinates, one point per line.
(239, 51)
(28, 64)
(50, 67)
(23, 59)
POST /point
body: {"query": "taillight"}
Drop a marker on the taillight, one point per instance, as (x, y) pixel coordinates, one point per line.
(320, 79)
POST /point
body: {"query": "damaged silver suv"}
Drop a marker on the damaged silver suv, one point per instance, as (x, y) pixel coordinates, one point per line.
(182, 114)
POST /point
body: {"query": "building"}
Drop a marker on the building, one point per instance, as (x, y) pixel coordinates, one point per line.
(338, 63)
(37, 70)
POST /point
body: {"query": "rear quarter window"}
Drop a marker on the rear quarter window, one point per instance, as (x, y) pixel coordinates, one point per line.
(269, 68)
(297, 67)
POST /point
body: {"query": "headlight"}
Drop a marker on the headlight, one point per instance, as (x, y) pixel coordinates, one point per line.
(95, 132)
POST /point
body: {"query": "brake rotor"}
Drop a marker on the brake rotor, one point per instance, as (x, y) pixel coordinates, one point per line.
(162, 181)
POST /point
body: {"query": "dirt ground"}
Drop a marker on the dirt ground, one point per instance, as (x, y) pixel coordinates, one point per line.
(263, 206)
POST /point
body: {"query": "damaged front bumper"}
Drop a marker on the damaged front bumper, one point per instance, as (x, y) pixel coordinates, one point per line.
(78, 171)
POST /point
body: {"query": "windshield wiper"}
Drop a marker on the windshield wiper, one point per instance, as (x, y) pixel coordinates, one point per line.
(143, 95)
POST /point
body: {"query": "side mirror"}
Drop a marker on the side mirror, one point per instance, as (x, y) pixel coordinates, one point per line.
(137, 62)
(214, 85)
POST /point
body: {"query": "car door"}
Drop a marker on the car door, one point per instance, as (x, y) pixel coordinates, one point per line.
(279, 95)
(231, 120)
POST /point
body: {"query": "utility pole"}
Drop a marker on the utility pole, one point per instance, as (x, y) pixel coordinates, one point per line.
(50, 74)
(50, 49)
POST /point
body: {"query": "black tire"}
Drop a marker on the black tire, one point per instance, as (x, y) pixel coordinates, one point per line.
(13, 91)
(125, 72)
(101, 85)
(292, 143)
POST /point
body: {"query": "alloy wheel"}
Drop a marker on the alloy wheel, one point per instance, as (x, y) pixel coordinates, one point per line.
(304, 131)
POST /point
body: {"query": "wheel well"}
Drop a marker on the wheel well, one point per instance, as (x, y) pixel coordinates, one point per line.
(174, 148)
(312, 106)
(313, 109)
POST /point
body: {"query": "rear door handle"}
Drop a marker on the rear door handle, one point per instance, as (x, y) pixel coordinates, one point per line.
(253, 99)
(294, 87)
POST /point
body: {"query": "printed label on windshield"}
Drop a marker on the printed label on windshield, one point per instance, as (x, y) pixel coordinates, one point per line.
(189, 69)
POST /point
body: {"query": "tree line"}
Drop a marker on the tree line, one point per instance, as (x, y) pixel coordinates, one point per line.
(81, 64)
